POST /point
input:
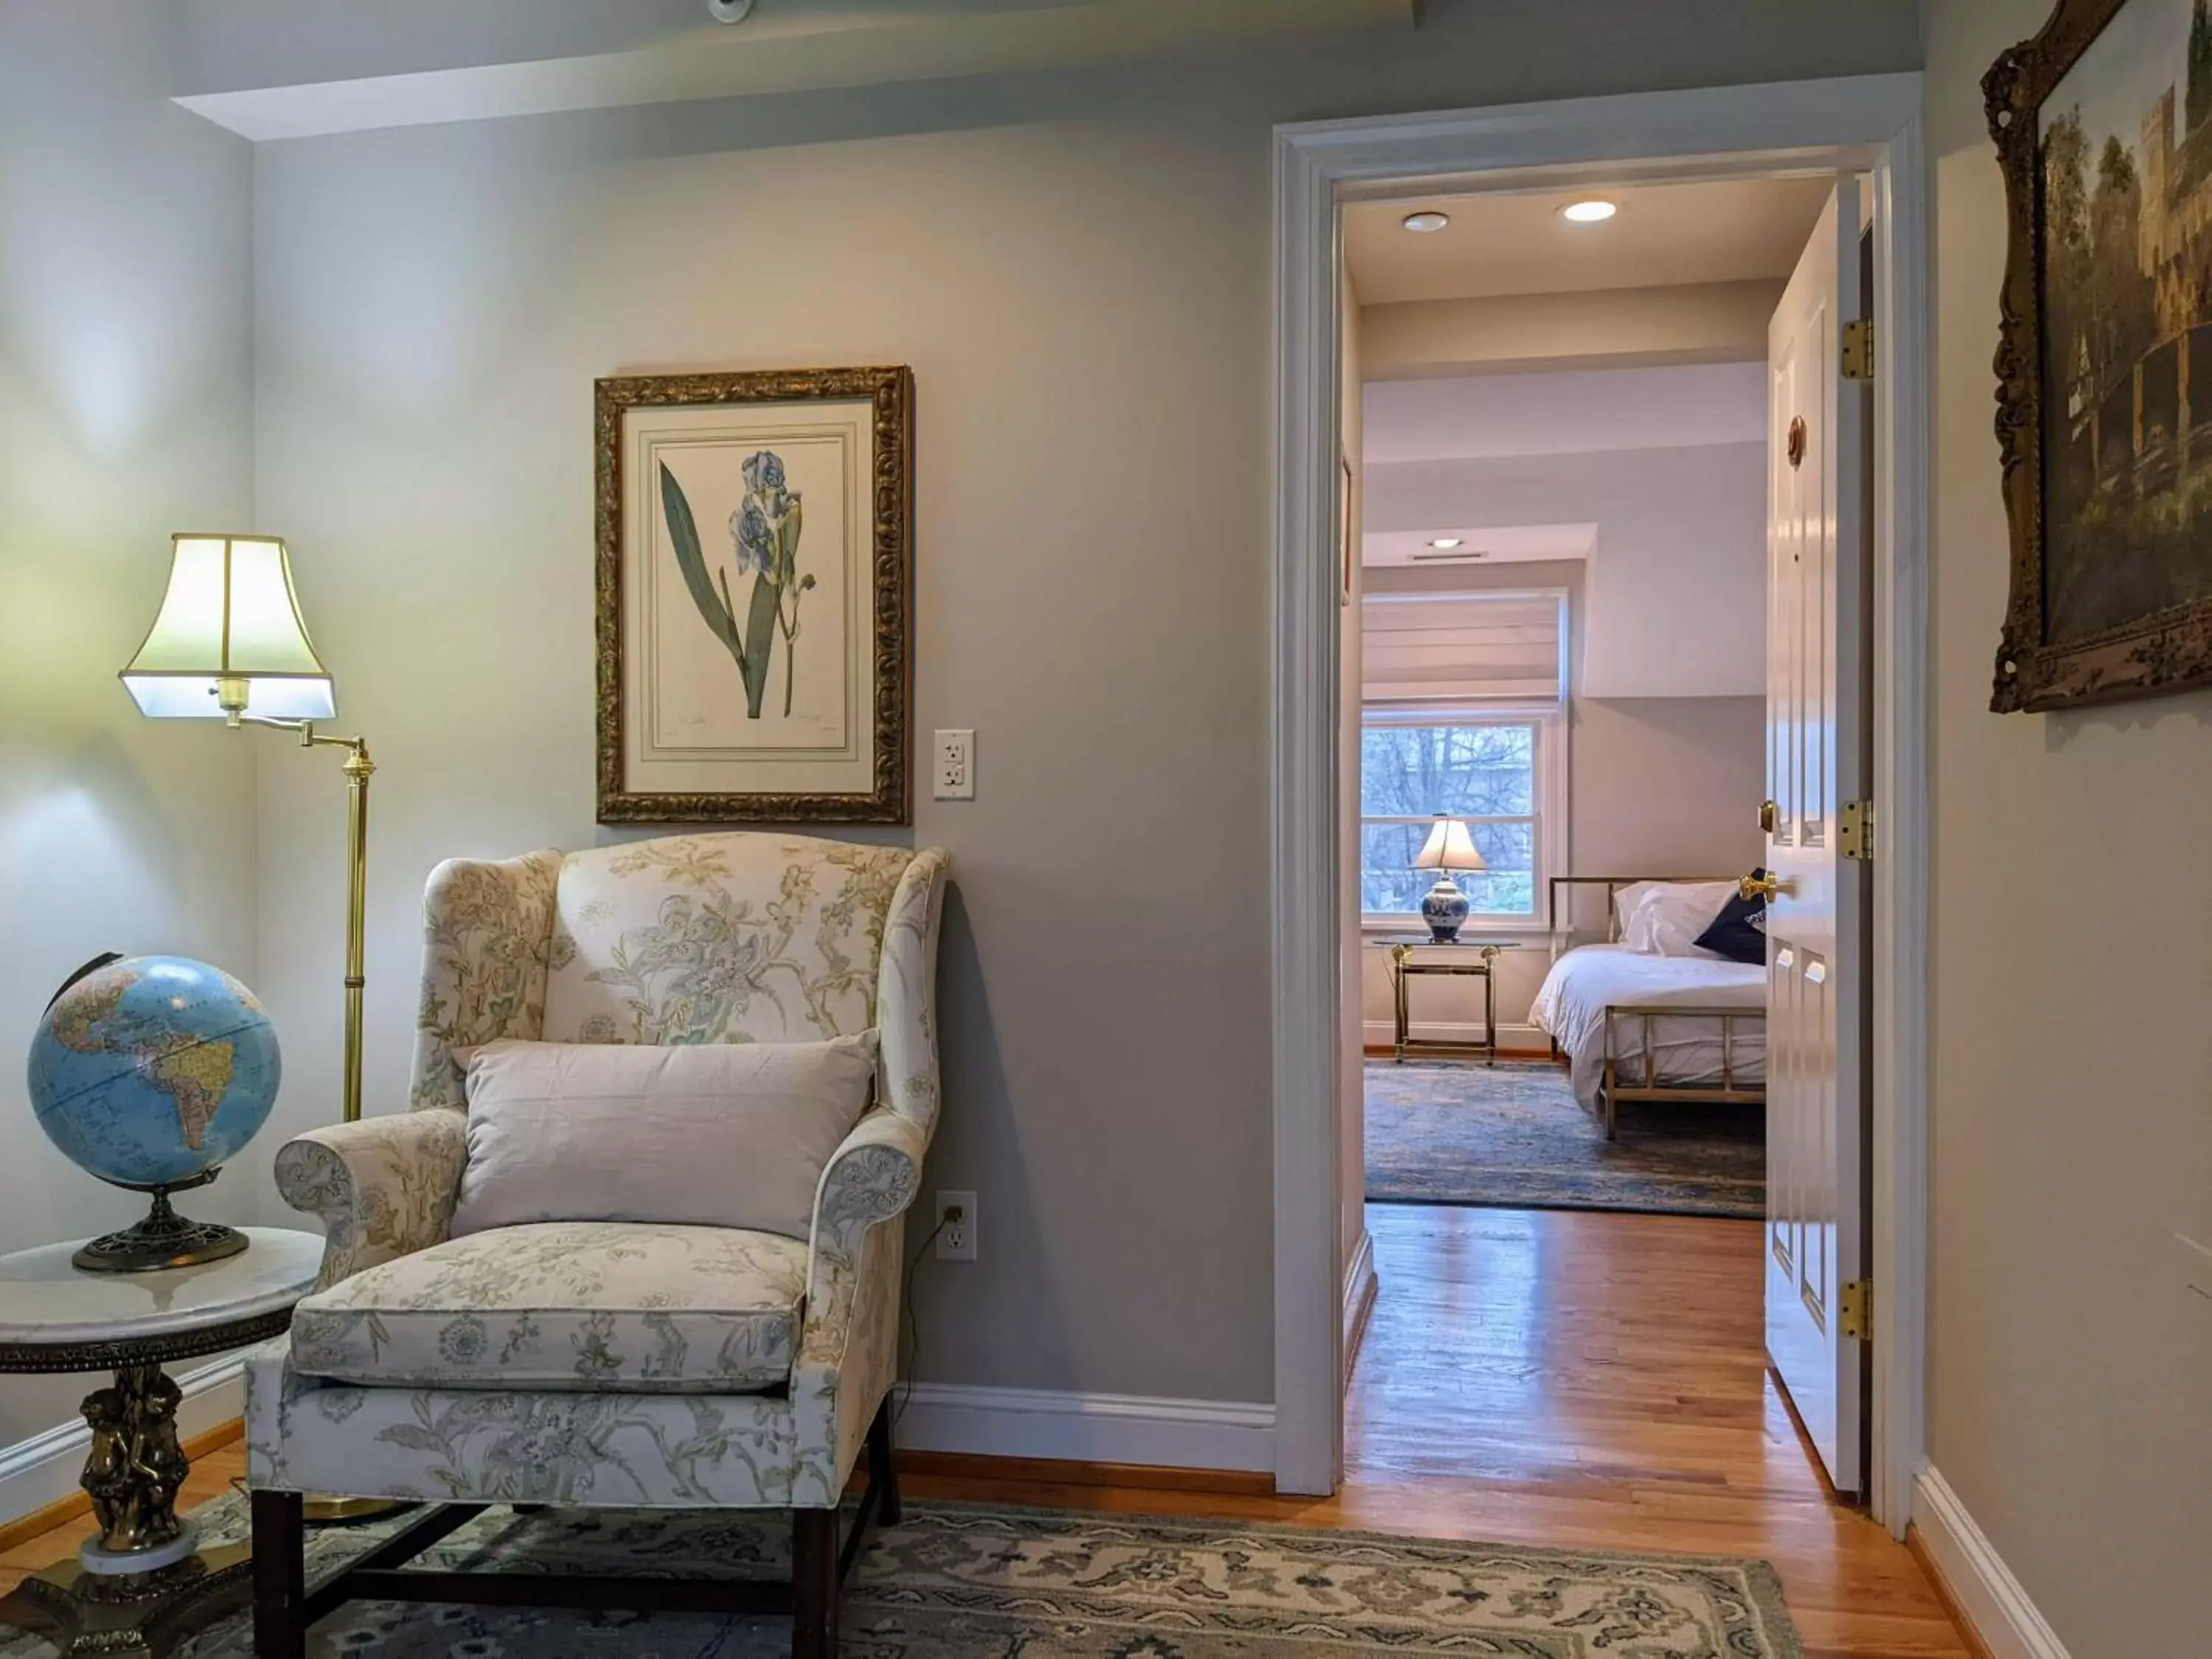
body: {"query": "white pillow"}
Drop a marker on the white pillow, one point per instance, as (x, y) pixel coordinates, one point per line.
(717, 1135)
(1668, 916)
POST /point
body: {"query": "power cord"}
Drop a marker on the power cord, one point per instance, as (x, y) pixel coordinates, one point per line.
(910, 1324)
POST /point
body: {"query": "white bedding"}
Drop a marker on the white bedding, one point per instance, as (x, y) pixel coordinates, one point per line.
(1570, 1010)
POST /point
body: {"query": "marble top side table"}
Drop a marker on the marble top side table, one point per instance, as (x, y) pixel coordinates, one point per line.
(141, 1585)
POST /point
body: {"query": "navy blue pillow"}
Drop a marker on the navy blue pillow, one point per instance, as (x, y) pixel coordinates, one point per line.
(1739, 932)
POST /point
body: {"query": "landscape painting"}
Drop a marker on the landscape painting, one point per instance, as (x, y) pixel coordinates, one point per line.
(2104, 123)
(753, 581)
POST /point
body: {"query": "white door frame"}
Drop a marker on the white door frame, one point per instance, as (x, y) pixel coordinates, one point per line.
(1867, 124)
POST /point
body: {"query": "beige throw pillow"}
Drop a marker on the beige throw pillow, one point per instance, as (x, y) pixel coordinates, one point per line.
(711, 1135)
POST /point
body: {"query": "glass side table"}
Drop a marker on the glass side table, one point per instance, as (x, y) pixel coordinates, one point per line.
(141, 1586)
(1462, 957)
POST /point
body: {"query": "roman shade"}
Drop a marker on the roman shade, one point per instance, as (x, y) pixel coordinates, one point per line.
(1463, 650)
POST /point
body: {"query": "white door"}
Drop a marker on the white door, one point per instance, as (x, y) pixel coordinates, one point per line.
(1816, 690)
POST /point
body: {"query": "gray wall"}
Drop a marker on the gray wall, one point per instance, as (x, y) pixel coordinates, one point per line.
(1667, 785)
(126, 413)
(2073, 967)
(1078, 267)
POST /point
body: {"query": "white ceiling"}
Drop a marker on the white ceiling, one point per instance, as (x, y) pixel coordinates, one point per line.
(276, 68)
(1480, 416)
(1524, 544)
(1497, 243)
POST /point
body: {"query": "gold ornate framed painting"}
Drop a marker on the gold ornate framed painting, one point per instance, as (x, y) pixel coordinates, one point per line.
(754, 582)
(2103, 124)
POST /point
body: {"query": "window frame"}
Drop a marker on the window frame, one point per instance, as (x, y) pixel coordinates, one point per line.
(1548, 821)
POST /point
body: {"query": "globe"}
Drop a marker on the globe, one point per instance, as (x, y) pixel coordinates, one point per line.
(155, 1070)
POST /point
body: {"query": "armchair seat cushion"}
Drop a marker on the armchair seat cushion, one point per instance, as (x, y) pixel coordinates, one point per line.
(594, 1305)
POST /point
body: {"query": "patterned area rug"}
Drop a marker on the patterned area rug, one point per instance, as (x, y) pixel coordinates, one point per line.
(953, 1580)
(1513, 1135)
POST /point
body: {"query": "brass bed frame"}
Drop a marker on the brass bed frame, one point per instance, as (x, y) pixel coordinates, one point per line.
(1612, 1091)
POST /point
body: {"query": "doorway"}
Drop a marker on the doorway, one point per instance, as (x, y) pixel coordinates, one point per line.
(1837, 128)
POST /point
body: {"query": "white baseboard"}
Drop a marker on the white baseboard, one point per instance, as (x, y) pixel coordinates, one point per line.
(1987, 1592)
(1360, 1285)
(1381, 1033)
(44, 1469)
(1088, 1428)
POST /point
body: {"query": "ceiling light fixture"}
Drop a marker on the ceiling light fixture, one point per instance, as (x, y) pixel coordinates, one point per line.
(1588, 213)
(1445, 541)
(1427, 221)
(729, 11)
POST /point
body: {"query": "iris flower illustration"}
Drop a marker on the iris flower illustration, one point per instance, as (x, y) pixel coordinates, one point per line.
(764, 534)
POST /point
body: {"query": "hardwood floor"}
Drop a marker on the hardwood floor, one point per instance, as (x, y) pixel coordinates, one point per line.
(1567, 1379)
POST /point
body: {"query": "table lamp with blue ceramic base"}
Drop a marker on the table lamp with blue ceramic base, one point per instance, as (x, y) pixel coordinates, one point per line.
(1449, 848)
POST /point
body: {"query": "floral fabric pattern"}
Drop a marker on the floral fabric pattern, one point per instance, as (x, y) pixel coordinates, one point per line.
(906, 993)
(566, 1305)
(487, 940)
(504, 1367)
(719, 939)
(730, 1451)
(384, 1187)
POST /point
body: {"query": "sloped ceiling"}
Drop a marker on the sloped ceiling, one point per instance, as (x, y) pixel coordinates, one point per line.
(293, 69)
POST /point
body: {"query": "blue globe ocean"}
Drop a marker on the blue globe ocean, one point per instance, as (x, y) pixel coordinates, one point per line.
(151, 1070)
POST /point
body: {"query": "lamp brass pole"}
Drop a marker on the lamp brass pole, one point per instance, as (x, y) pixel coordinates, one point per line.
(359, 768)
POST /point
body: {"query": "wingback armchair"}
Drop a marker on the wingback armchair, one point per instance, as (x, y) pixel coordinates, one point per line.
(608, 1363)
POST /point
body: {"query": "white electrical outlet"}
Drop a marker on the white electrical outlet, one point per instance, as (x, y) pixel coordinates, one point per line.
(956, 765)
(956, 1239)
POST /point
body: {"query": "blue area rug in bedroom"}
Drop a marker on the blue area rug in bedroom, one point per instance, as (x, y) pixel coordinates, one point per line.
(1513, 1136)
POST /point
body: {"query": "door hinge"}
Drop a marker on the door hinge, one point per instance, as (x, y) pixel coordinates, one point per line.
(1855, 829)
(1856, 1314)
(1858, 349)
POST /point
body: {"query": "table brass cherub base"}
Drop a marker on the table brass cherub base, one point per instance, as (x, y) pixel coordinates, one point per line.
(143, 1585)
(143, 1615)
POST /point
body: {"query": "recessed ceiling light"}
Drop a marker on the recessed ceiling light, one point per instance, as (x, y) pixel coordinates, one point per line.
(1426, 221)
(1589, 212)
(1445, 541)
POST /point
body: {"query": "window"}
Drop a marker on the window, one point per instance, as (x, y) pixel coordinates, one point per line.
(1489, 770)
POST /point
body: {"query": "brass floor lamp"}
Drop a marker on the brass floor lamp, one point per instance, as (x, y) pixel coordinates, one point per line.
(229, 644)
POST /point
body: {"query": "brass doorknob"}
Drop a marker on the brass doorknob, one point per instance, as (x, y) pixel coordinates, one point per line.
(1766, 887)
(1770, 814)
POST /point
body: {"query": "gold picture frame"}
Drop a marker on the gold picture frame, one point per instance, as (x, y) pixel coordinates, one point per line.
(754, 585)
(2111, 552)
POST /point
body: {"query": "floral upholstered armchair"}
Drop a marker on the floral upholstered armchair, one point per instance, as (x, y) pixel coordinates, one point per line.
(609, 1362)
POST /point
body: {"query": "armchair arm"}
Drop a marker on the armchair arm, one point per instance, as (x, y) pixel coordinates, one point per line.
(384, 1187)
(871, 1176)
(849, 1348)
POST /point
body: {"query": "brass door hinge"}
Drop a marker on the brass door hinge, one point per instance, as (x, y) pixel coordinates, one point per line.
(1855, 829)
(1858, 349)
(1855, 1316)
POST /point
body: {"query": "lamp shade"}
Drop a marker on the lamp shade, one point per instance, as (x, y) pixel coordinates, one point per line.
(229, 640)
(1449, 847)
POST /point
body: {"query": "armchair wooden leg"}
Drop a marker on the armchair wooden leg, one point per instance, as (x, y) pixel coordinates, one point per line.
(814, 1583)
(280, 1576)
(883, 1472)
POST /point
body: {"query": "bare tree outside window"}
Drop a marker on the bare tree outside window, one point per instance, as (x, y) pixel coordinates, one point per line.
(1483, 773)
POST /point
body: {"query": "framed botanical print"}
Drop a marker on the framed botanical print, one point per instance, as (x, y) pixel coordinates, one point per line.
(2103, 124)
(755, 590)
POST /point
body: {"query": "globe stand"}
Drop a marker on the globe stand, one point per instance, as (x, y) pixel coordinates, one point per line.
(163, 1239)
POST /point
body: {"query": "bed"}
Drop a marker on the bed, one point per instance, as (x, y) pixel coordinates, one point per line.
(1638, 1026)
